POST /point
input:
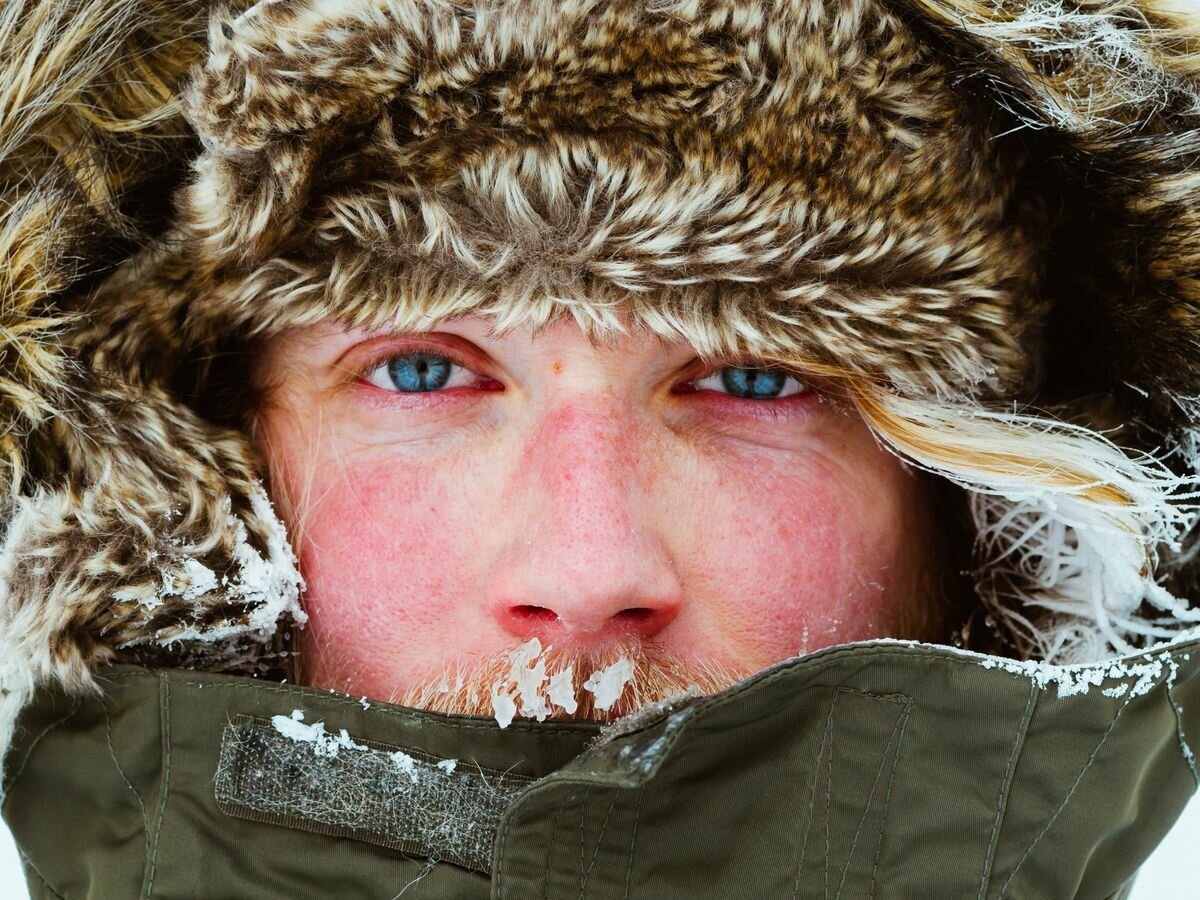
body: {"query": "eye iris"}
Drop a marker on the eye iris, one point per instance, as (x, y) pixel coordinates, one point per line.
(756, 384)
(417, 372)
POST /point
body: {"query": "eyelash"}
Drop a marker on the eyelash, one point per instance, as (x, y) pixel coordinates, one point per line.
(380, 361)
(377, 363)
(804, 386)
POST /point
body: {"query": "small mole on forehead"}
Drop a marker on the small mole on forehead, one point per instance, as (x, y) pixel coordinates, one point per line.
(558, 367)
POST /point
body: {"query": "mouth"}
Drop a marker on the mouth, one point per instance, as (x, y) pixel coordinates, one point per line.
(543, 683)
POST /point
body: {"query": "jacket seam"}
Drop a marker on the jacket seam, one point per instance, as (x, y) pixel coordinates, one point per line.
(812, 796)
(11, 782)
(549, 851)
(1005, 787)
(40, 877)
(129, 784)
(1184, 750)
(896, 738)
(165, 716)
(837, 656)
(898, 732)
(25, 860)
(637, 815)
(499, 850)
(1065, 801)
(587, 874)
(583, 816)
(829, 794)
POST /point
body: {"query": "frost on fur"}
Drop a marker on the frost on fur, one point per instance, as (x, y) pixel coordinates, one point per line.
(1186, 445)
(1094, 68)
(170, 608)
(267, 589)
(1069, 527)
(1089, 568)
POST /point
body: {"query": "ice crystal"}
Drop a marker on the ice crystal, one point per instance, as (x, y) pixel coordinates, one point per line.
(609, 683)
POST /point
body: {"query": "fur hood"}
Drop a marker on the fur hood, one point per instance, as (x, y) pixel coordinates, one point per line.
(985, 216)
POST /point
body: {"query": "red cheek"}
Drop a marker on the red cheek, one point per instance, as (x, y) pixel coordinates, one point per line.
(383, 546)
(787, 547)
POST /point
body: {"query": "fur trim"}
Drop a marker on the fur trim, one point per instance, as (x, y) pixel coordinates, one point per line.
(967, 203)
(1074, 535)
(524, 160)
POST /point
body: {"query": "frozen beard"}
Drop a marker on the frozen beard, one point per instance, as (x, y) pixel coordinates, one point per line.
(537, 682)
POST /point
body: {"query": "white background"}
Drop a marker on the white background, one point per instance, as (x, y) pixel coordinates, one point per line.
(1168, 875)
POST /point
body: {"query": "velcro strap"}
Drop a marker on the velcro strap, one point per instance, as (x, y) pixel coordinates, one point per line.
(391, 796)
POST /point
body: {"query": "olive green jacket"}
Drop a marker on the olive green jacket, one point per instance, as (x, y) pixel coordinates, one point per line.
(882, 770)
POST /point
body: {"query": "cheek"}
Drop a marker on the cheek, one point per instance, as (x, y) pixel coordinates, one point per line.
(387, 556)
(802, 555)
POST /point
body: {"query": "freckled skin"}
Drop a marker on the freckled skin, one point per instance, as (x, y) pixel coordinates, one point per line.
(579, 503)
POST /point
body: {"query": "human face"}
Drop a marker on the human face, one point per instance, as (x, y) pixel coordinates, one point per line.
(590, 495)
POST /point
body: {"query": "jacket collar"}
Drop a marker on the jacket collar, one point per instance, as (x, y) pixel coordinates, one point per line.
(880, 769)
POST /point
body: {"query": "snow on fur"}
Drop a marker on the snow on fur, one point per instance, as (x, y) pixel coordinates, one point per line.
(1081, 47)
(265, 587)
(131, 518)
(1069, 526)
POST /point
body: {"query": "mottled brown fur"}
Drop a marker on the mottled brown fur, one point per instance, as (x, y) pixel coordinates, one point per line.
(919, 193)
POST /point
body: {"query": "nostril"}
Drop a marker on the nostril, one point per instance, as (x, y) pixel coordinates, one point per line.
(637, 615)
(533, 613)
(584, 620)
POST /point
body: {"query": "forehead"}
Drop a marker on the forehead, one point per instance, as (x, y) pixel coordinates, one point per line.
(791, 180)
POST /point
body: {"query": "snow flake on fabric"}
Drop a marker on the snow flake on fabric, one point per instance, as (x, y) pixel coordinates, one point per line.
(300, 775)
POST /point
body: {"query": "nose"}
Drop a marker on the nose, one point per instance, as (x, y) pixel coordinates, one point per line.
(587, 565)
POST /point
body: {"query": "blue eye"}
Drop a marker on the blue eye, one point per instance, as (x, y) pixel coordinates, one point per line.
(753, 383)
(419, 372)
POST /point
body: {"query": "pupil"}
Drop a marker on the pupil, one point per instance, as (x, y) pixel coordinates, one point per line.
(755, 384)
(417, 372)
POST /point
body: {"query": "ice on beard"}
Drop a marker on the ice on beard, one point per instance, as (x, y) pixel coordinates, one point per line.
(528, 674)
(503, 707)
(609, 683)
(561, 690)
(531, 691)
